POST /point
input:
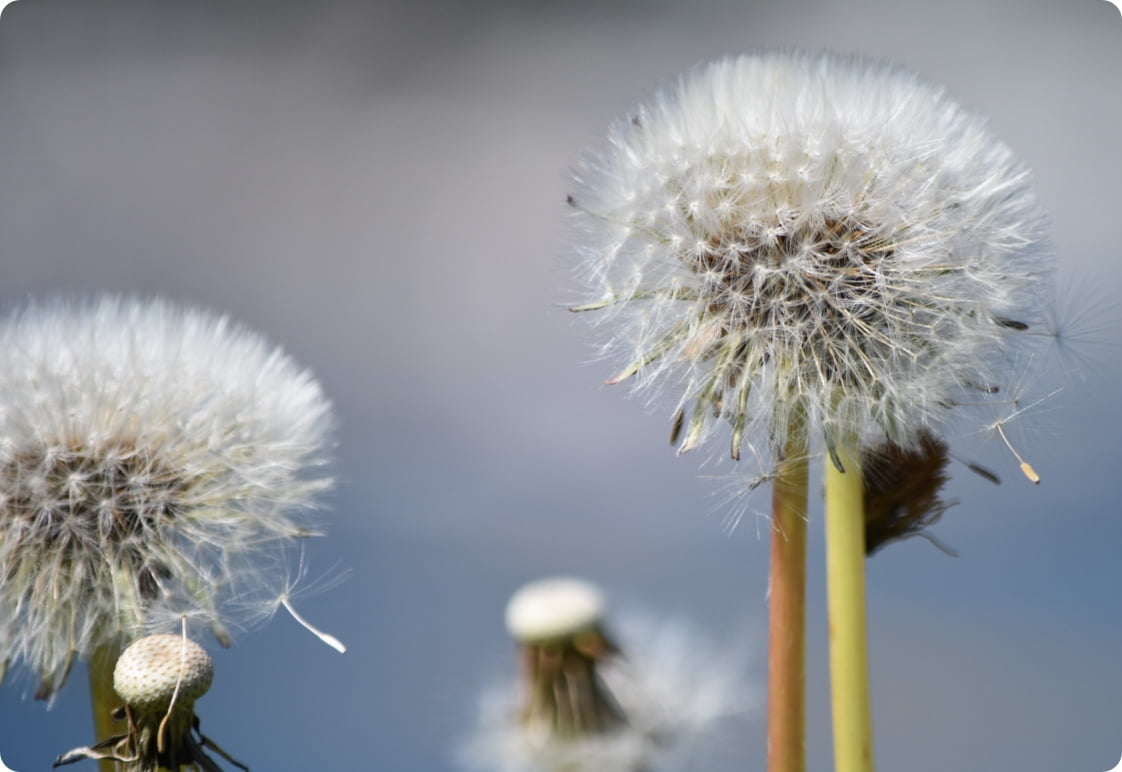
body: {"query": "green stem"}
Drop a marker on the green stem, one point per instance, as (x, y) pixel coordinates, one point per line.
(786, 723)
(104, 700)
(845, 573)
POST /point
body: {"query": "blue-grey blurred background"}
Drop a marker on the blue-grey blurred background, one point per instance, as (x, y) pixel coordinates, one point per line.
(380, 187)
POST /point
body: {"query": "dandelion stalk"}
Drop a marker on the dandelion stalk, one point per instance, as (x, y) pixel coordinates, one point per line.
(806, 247)
(845, 577)
(786, 723)
(102, 697)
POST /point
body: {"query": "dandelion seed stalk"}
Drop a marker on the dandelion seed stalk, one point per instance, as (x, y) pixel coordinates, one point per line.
(786, 722)
(845, 577)
(102, 697)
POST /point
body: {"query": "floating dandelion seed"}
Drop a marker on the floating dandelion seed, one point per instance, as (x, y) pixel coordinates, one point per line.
(159, 677)
(263, 608)
(821, 252)
(154, 460)
(583, 705)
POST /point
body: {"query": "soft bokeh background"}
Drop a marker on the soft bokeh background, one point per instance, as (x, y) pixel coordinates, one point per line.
(380, 187)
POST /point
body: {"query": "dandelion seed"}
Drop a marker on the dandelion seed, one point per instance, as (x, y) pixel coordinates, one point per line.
(1026, 467)
(261, 610)
(327, 638)
(1083, 321)
(155, 461)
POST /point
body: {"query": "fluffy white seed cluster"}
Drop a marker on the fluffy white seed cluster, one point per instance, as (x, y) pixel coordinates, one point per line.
(154, 462)
(784, 233)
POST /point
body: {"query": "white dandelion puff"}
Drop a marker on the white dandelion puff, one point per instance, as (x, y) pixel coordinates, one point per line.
(785, 232)
(154, 461)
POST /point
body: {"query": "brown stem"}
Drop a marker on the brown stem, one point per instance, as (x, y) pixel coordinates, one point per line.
(786, 726)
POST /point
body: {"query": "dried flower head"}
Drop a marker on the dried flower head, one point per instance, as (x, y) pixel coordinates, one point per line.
(785, 233)
(159, 677)
(903, 489)
(583, 705)
(558, 622)
(154, 462)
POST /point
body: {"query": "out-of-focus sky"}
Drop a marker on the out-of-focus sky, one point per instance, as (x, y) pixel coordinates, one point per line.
(380, 187)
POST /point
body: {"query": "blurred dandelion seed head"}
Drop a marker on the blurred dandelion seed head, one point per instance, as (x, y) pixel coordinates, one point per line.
(559, 624)
(783, 229)
(584, 704)
(154, 463)
(552, 609)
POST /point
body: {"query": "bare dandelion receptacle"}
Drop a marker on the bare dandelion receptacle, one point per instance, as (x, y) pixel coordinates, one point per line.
(159, 678)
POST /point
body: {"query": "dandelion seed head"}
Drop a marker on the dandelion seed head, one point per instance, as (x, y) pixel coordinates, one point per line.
(783, 229)
(153, 458)
(585, 704)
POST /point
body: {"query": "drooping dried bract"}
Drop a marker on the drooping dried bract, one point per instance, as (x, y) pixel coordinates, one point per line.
(154, 462)
(784, 230)
(903, 489)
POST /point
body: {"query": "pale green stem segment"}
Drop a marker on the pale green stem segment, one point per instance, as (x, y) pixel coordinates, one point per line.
(845, 576)
(104, 699)
(786, 722)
